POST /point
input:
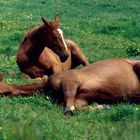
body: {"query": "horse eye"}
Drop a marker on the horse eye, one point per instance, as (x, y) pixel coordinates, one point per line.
(55, 37)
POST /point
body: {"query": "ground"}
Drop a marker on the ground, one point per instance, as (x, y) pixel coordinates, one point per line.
(103, 29)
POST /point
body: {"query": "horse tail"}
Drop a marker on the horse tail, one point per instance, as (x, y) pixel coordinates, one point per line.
(29, 89)
(136, 68)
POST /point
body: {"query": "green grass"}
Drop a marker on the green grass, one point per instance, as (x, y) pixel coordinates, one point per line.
(103, 29)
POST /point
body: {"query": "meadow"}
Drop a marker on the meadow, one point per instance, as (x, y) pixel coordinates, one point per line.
(103, 29)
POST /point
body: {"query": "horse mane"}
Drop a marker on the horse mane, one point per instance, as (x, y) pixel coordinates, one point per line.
(35, 32)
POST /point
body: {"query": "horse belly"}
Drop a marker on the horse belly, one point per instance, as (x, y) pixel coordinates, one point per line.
(110, 88)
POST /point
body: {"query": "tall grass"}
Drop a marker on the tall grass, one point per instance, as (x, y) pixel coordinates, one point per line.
(103, 29)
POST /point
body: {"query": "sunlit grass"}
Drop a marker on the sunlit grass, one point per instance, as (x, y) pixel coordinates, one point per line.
(103, 29)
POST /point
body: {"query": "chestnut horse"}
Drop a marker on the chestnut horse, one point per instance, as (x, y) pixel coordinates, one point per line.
(108, 81)
(44, 51)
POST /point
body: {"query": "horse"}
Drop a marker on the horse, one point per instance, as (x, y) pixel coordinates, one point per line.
(107, 81)
(44, 51)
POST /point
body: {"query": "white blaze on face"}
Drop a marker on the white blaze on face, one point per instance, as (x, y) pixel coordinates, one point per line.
(61, 33)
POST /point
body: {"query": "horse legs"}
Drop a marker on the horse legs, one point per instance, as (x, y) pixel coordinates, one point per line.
(25, 76)
(76, 100)
(34, 72)
(77, 55)
(5, 89)
(28, 89)
(69, 89)
(82, 104)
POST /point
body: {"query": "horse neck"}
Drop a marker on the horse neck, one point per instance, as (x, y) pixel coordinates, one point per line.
(36, 44)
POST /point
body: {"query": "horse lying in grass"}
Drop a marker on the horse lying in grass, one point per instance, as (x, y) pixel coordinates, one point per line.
(108, 81)
(44, 51)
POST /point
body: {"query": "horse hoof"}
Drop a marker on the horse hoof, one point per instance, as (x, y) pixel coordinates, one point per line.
(45, 78)
(69, 113)
(106, 107)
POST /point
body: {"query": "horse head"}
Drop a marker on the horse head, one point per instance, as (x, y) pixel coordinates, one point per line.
(53, 35)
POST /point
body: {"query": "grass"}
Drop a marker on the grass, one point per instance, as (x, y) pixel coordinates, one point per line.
(103, 29)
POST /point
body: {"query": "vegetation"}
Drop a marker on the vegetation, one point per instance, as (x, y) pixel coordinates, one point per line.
(103, 29)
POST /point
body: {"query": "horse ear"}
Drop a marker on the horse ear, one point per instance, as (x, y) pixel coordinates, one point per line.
(45, 22)
(57, 18)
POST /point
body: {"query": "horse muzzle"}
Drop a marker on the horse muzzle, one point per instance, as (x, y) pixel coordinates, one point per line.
(63, 57)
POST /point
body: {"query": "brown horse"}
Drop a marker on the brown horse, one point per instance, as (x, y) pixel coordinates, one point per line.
(111, 80)
(44, 51)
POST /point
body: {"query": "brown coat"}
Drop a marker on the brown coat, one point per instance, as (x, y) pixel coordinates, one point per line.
(44, 51)
(111, 80)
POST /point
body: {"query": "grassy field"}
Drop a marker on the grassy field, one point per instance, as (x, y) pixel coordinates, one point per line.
(103, 29)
